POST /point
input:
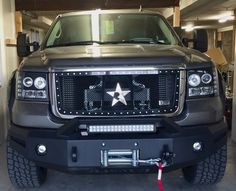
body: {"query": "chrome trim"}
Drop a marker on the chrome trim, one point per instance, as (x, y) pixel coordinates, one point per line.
(108, 69)
(52, 94)
(53, 98)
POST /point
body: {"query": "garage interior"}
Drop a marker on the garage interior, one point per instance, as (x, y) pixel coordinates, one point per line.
(34, 17)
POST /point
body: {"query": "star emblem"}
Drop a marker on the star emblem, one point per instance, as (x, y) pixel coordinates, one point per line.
(118, 95)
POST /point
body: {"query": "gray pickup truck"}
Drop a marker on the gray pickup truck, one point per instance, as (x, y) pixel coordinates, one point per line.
(115, 91)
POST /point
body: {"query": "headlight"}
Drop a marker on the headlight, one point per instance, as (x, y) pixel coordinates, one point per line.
(206, 78)
(32, 86)
(28, 82)
(202, 91)
(40, 83)
(194, 80)
(202, 82)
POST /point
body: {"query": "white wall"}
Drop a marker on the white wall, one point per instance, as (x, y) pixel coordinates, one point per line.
(8, 58)
(234, 98)
(27, 29)
(233, 135)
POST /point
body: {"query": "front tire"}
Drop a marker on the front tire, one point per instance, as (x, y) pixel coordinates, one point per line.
(22, 172)
(209, 171)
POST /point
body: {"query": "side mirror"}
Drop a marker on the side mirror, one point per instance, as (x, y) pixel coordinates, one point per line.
(200, 40)
(24, 45)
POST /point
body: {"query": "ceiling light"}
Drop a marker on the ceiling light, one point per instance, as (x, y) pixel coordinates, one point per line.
(188, 28)
(226, 18)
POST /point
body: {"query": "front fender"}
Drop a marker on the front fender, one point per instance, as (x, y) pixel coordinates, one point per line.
(11, 93)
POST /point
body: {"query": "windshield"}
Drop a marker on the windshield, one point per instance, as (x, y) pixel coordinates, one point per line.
(110, 28)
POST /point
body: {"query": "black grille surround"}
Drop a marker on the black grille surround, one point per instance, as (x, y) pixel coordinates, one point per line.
(84, 94)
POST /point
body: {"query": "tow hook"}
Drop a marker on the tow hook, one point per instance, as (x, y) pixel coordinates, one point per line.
(166, 160)
(168, 157)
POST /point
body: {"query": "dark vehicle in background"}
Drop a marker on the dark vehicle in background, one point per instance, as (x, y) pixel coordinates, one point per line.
(115, 90)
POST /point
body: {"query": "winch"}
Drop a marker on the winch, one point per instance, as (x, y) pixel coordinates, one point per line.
(131, 157)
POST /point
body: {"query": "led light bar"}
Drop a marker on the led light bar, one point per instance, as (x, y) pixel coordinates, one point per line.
(121, 128)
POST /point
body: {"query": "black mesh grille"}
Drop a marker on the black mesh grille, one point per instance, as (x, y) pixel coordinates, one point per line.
(72, 91)
(84, 94)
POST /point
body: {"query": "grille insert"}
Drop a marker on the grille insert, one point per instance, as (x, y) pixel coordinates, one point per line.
(83, 94)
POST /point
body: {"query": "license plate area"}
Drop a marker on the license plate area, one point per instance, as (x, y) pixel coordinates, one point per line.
(122, 157)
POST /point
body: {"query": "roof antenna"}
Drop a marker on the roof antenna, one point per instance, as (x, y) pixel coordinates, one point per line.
(140, 8)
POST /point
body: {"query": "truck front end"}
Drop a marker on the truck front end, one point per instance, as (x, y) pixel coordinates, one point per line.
(116, 90)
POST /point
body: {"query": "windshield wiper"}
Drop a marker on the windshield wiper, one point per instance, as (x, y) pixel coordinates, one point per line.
(90, 42)
(141, 41)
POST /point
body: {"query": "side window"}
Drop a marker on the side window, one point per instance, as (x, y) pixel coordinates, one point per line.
(55, 34)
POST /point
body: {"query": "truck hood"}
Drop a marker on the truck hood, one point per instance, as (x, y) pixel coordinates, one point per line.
(114, 55)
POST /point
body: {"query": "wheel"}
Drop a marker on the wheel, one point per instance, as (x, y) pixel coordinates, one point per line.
(209, 171)
(22, 172)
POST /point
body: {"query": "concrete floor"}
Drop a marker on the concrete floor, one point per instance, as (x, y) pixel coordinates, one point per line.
(172, 181)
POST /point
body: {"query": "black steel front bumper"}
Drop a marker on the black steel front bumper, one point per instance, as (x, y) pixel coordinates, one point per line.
(68, 150)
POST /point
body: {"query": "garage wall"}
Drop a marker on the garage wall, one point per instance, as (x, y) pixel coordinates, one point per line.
(227, 39)
(211, 38)
(32, 31)
(8, 58)
(234, 96)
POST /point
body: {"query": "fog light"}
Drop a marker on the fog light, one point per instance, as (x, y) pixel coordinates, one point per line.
(197, 146)
(42, 149)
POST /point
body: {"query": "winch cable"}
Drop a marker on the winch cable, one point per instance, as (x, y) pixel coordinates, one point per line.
(160, 164)
(159, 176)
